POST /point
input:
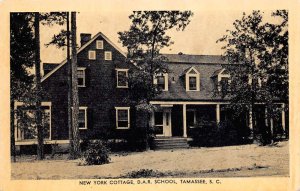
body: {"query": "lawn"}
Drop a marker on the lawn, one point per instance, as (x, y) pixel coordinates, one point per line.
(230, 161)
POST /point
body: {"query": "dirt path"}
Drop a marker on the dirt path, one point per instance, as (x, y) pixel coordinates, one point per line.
(179, 163)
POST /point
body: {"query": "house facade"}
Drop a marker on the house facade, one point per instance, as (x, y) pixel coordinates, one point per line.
(189, 95)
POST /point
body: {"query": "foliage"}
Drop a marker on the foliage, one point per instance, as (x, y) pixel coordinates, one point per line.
(143, 173)
(144, 39)
(97, 153)
(258, 54)
(210, 134)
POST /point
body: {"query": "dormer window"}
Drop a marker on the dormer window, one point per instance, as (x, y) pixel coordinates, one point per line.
(223, 80)
(161, 80)
(192, 80)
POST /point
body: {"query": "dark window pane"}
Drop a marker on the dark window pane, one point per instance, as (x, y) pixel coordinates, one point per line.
(193, 83)
(81, 118)
(80, 81)
(161, 82)
(122, 123)
(123, 115)
(122, 78)
(158, 118)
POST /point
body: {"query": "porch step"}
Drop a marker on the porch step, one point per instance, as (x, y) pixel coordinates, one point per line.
(170, 143)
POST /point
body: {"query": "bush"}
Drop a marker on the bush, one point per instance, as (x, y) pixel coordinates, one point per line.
(97, 153)
(210, 134)
(143, 173)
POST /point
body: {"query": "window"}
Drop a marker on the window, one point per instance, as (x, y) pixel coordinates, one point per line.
(161, 80)
(224, 84)
(223, 81)
(158, 122)
(25, 130)
(82, 118)
(122, 117)
(107, 55)
(122, 78)
(192, 80)
(191, 118)
(192, 83)
(81, 77)
(92, 55)
(99, 44)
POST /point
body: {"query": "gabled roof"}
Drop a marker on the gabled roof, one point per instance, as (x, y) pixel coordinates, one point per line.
(82, 48)
(188, 70)
(196, 59)
(217, 72)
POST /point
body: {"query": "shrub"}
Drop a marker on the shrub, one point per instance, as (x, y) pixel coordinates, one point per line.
(97, 153)
(209, 134)
(143, 173)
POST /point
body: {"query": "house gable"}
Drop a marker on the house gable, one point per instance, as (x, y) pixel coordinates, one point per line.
(92, 42)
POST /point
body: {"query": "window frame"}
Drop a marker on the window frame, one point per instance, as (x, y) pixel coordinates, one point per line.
(105, 56)
(128, 117)
(85, 116)
(84, 76)
(97, 44)
(117, 74)
(90, 55)
(18, 133)
(166, 80)
(187, 79)
(220, 76)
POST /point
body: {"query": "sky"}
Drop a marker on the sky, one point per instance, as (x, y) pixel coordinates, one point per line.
(199, 37)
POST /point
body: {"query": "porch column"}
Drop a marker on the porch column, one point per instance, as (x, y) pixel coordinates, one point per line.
(184, 120)
(218, 113)
(250, 118)
(283, 118)
(271, 127)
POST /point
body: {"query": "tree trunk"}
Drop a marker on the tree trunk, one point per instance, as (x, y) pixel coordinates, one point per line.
(75, 101)
(40, 149)
(69, 82)
(12, 131)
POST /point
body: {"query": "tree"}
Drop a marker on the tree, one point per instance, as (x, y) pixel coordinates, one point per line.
(21, 59)
(62, 40)
(258, 53)
(144, 40)
(75, 102)
(40, 145)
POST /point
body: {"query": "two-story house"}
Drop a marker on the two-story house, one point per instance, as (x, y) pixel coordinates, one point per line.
(188, 94)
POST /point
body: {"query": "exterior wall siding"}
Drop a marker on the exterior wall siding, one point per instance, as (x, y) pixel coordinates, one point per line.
(99, 95)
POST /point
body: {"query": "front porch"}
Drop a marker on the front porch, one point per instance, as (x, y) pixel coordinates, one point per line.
(180, 119)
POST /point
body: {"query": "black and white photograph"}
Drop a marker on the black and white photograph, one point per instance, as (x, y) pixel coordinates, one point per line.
(149, 94)
(141, 105)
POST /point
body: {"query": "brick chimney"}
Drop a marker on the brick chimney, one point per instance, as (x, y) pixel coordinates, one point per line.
(84, 38)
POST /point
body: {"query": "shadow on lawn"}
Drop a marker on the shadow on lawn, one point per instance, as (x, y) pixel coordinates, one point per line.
(149, 173)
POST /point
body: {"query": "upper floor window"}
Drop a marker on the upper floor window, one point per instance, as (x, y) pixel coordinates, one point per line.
(192, 80)
(82, 118)
(99, 44)
(81, 76)
(122, 117)
(161, 80)
(224, 84)
(223, 80)
(122, 78)
(92, 55)
(107, 55)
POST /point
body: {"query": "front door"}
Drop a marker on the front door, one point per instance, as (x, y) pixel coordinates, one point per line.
(162, 122)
